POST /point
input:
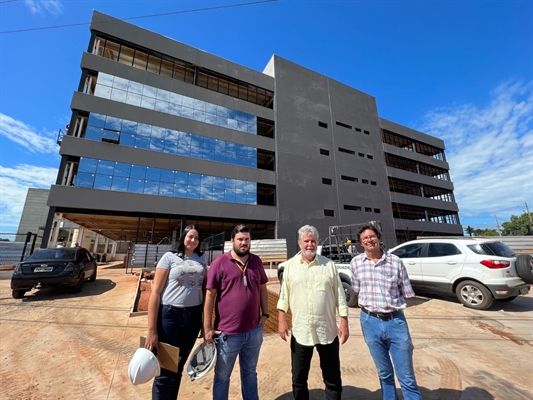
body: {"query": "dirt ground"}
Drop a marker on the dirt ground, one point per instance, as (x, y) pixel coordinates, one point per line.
(59, 345)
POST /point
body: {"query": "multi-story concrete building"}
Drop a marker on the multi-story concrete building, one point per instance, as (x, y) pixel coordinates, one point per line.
(163, 134)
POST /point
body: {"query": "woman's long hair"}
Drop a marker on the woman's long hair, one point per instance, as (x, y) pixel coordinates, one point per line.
(181, 245)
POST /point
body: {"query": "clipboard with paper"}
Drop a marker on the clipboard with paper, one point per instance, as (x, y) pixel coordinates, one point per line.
(167, 355)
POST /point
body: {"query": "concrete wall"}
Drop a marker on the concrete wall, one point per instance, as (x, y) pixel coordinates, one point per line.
(303, 98)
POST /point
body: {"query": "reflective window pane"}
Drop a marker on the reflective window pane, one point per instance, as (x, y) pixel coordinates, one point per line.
(193, 192)
(151, 187)
(122, 169)
(142, 142)
(102, 182)
(120, 184)
(133, 99)
(167, 175)
(138, 172)
(229, 196)
(105, 167)
(97, 120)
(181, 177)
(153, 174)
(127, 139)
(194, 179)
(87, 165)
(136, 186)
(93, 133)
(144, 129)
(166, 189)
(85, 179)
(180, 190)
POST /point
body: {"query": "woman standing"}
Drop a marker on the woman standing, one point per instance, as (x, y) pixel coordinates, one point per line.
(175, 307)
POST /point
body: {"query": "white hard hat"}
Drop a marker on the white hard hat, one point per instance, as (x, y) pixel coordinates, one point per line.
(143, 367)
(202, 360)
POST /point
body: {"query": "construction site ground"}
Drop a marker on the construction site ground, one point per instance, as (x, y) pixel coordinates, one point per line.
(59, 345)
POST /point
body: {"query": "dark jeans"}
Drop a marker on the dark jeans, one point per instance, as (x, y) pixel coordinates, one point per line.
(178, 327)
(330, 365)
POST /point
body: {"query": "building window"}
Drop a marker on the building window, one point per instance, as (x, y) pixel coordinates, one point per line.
(373, 183)
(324, 152)
(155, 138)
(329, 213)
(322, 124)
(352, 208)
(357, 129)
(123, 177)
(361, 154)
(349, 178)
(343, 124)
(326, 181)
(342, 150)
(134, 93)
(368, 209)
(370, 157)
(416, 167)
(364, 181)
(377, 211)
(412, 145)
(366, 132)
(157, 63)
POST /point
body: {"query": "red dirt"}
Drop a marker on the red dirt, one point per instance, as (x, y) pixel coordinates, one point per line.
(145, 288)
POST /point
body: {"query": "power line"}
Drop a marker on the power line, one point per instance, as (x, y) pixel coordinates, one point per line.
(138, 17)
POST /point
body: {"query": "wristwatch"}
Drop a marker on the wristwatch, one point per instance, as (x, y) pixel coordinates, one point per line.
(265, 315)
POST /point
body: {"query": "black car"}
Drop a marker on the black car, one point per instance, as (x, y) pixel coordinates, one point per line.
(60, 267)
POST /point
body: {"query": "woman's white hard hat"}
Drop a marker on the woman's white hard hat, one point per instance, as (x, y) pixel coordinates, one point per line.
(202, 360)
(144, 366)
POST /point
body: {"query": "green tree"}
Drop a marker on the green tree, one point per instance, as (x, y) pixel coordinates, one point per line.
(518, 225)
(4, 240)
(485, 232)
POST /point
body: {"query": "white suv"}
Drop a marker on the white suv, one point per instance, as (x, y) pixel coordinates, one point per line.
(477, 270)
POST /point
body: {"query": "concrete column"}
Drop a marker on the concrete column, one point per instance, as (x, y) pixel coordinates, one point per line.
(95, 247)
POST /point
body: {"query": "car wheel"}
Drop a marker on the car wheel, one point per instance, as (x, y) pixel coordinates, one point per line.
(474, 295)
(351, 297)
(93, 277)
(508, 298)
(77, 288)
(18, 294)
(524, 267)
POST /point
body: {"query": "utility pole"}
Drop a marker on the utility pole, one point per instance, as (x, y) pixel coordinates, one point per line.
(498, 225)
(530, 219)
(529, 216)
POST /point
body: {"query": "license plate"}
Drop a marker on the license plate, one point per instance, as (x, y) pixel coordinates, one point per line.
(43, 269)
(524, 290)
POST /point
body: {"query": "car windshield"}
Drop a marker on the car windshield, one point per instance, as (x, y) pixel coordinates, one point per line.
(52, 254)
(492, 249)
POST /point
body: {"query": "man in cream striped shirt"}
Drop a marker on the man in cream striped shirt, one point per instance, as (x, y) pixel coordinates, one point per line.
(312, 290)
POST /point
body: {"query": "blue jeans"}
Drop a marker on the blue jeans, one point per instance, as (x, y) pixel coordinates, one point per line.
(178, 327)
(386, 339)
(246, 346)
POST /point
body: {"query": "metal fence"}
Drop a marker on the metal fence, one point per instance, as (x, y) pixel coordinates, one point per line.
(12, 253)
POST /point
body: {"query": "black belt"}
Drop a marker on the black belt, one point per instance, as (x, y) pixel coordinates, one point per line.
(382, 316)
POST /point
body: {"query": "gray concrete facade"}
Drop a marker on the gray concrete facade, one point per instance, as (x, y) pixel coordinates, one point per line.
(330, 160)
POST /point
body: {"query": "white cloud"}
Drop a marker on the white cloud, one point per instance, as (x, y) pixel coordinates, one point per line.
(490, 150)
(14, 184)
(25, 136)
(53, 7)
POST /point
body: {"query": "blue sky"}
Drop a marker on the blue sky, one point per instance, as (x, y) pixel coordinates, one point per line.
(459, 70)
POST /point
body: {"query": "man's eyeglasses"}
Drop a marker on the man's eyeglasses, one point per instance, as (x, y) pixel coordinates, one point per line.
(368, 238)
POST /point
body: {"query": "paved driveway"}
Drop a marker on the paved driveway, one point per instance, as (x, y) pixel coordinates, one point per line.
(57, 345)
